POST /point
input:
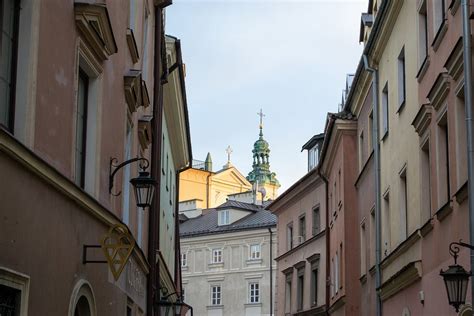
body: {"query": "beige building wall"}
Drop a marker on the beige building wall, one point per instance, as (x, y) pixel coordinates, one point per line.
(399, 175)
(212, 188)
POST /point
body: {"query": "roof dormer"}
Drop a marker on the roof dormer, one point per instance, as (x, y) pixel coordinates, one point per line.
(313, 146)
(232, 211)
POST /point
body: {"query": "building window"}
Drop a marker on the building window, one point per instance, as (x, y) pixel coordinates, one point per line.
(300, 289)
(361, 150)
(372, 238)
(316, 221)
(403, 205)
(336, 273)
(386, 223)
(129, 310)
(422, 34)
(81, 128)
(217, 256)
(9, 300)
(314, 283)
(340, 266)
(426, 181)
(461, 139)
(363, 250)
(163, 156)
(302, 224)
(438, 15)
(255, 251)
(313, 157)
(289, 236)
(333, 281)
(443, 161)
(126, 175)
(167, 170)
(9, 18)
(385, 109)
(184, 260)
(401, 79)
(216, 295)
(288, 293)
(370, 141)
(254, 293)
(224, 217)
(183, 294)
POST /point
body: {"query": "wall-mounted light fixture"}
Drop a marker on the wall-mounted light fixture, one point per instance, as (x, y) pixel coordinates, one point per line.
(143, 185)
(456, 278)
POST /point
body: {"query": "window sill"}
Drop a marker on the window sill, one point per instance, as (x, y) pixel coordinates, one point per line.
(401, 107)
(184, 268)
(259, 304)
(444, 211)
(215, 307)
(461, 194)
(216, 265)
(423, 68)
(443, 28)
(254, 261)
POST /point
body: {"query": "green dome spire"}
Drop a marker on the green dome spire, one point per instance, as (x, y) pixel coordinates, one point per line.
(261, 164)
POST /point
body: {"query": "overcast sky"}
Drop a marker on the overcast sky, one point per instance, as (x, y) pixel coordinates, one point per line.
(289, 58)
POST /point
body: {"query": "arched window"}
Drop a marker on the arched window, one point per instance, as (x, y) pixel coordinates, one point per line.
(82, 301)
(82, 307)
(466, 311)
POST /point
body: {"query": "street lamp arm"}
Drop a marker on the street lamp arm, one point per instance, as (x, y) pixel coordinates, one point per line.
(114, 168)
(454, 248)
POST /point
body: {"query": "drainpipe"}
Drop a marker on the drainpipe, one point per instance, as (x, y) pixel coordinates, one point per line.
(466, 26)
(378, 202)
(153, 279)
(271, 270)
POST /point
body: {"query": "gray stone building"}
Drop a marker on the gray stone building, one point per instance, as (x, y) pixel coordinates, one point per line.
(225, 260)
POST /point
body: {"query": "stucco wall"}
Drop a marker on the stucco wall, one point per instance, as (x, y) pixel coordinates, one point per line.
(233, 275)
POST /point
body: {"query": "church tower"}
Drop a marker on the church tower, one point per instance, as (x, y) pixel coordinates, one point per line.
(261, 176)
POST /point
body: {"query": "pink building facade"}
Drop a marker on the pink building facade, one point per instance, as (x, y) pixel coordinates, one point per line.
(301, 234)
(338, 166)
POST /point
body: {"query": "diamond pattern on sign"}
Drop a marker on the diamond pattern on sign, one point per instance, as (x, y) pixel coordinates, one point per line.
(117, 246)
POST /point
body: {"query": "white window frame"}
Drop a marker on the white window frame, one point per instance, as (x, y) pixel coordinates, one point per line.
(184, 260)
(216, 295)
(224, 217)
(254, 293)
(17, 281)
(255, 252)
(216, 256)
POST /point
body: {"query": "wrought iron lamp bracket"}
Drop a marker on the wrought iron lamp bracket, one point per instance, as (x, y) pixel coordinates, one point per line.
(454, 248)
(114, 167)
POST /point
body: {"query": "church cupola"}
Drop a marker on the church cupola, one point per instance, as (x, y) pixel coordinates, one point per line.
(261, 175)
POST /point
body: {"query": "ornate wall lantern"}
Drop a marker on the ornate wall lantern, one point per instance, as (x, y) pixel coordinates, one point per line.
(456, 278)
(143, 185)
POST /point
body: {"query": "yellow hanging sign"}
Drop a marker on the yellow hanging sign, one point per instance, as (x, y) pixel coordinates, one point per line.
(117, 246)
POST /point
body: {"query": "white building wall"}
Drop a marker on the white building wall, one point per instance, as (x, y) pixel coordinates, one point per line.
(234, 275)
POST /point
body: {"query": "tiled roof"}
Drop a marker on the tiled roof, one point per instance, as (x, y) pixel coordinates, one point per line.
(239, 205)
(207, 224)
(310, 143)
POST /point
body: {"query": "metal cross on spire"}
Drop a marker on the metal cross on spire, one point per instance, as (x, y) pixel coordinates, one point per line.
(229, 152)
(261, 121)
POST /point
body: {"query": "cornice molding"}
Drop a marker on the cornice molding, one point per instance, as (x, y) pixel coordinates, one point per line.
(401, 280)
(439, 91)
(455, 63)
(132, 46)
(384, 34)
(423, 119)
(93, 22)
